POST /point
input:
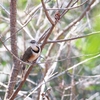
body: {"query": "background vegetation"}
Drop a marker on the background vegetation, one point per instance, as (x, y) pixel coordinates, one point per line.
(68, 69)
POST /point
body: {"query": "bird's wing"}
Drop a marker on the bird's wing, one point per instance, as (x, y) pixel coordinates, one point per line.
(27, 54)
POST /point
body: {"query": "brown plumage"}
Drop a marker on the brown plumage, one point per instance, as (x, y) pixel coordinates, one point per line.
(27, 55)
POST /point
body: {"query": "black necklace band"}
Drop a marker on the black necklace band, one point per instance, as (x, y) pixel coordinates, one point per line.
(36, 51)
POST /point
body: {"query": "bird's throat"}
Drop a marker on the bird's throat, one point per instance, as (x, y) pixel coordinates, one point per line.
(35, 49)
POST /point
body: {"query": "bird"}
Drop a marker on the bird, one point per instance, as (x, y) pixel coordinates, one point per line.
(31, 54)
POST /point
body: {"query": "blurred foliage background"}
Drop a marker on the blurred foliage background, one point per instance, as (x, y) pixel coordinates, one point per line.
(83, 79)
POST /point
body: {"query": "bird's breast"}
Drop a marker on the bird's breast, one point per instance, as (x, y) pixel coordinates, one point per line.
(33, 57)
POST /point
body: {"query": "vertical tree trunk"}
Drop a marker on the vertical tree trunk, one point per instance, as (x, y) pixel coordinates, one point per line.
(15, 68)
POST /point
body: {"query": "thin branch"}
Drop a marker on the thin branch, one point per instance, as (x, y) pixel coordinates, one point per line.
(65, 11)
(69, 3)
(39, 17)
(2, 84)
(29, 16)
(5, 9)
(78, 37)
(69, 8)
(94, 96)
(49, 18)
(46, 37)
(43, 35)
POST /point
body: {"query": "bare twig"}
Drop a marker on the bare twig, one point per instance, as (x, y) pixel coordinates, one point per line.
(48, 16)
(78, 37)
(94, 96)
(4, 9)
(69, 8)
(46, 37)
(65, 11)
(2, 84)
(29, 16)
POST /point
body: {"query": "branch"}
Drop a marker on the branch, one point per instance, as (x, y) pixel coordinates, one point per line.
(49, 18)
(29, 16)
(78, 37)
(46, 37)
(43, 35)
(69, 8)
(21, 83)
(4, 9)
(65, 11)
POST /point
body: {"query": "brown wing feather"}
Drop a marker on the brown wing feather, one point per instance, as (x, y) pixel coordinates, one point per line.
(27, 54)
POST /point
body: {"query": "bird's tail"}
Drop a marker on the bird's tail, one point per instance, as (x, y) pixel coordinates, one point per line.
(23, 72)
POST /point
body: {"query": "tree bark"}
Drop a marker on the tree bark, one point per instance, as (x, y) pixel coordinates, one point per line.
(16, 63)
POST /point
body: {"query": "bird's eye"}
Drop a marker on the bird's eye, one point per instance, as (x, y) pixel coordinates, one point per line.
(32, 41)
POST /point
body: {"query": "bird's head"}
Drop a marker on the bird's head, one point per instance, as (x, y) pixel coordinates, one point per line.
(34, 45)
(33, 42)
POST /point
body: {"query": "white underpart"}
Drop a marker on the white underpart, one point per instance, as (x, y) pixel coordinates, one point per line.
(36, 55)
